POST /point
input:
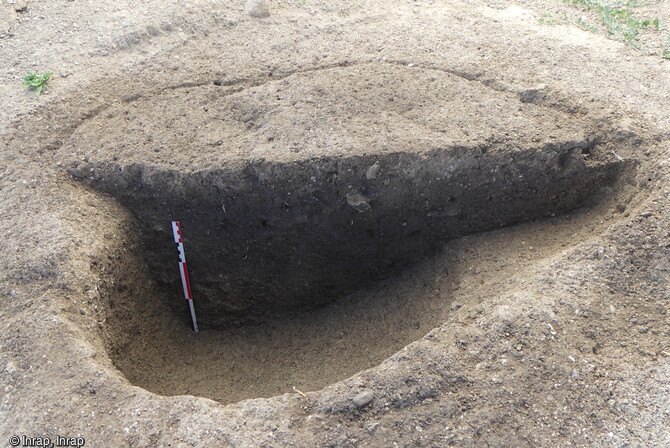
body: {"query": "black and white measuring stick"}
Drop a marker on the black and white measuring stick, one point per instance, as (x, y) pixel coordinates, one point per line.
(176, 230)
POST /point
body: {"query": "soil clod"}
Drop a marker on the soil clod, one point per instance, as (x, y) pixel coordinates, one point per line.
(363, 399)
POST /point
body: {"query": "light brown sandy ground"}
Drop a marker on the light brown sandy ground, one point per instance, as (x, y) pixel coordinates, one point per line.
(571, 351)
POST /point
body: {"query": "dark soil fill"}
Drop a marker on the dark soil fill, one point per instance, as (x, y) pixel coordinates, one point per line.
(272, 237)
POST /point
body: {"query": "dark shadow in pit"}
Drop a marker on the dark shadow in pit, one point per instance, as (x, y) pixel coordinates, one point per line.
(267, 238)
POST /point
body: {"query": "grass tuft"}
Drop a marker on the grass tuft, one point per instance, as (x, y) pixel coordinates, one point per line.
(37, 82)
(619, 20)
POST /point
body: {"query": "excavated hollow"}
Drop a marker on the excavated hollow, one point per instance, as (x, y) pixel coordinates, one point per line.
(317, 211)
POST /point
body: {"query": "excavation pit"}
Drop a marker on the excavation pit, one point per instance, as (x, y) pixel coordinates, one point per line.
(313, 198)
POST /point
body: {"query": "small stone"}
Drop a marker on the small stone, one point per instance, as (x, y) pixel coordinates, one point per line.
(599, 253)
(359, 202)
(370, 427)
(363, 399)
(372, 171)
(257, 8)
(5, 26)
(20, 5)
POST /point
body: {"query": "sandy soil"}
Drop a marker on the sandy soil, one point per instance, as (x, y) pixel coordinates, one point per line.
(550, 331)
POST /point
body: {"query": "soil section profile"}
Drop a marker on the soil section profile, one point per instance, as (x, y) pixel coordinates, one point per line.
(271, 228)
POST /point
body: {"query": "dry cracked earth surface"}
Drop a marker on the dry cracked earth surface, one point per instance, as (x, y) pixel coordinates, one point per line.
(431, 223)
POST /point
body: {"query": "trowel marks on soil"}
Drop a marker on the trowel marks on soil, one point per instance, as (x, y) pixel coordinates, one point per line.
(299, 190)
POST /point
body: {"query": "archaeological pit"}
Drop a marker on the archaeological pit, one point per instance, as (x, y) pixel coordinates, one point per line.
(316, 208)
(406, 224)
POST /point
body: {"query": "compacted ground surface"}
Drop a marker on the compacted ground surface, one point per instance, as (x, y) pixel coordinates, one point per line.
(407, 224)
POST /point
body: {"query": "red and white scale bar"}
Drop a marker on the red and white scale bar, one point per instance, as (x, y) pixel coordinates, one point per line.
(176, 230)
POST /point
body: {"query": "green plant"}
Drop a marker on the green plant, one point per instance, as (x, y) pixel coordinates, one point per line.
(619, 20)
(37, 82)
(547, 21)
(583, 24)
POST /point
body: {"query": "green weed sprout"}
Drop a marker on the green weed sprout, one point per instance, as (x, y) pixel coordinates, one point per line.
(37, 82)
